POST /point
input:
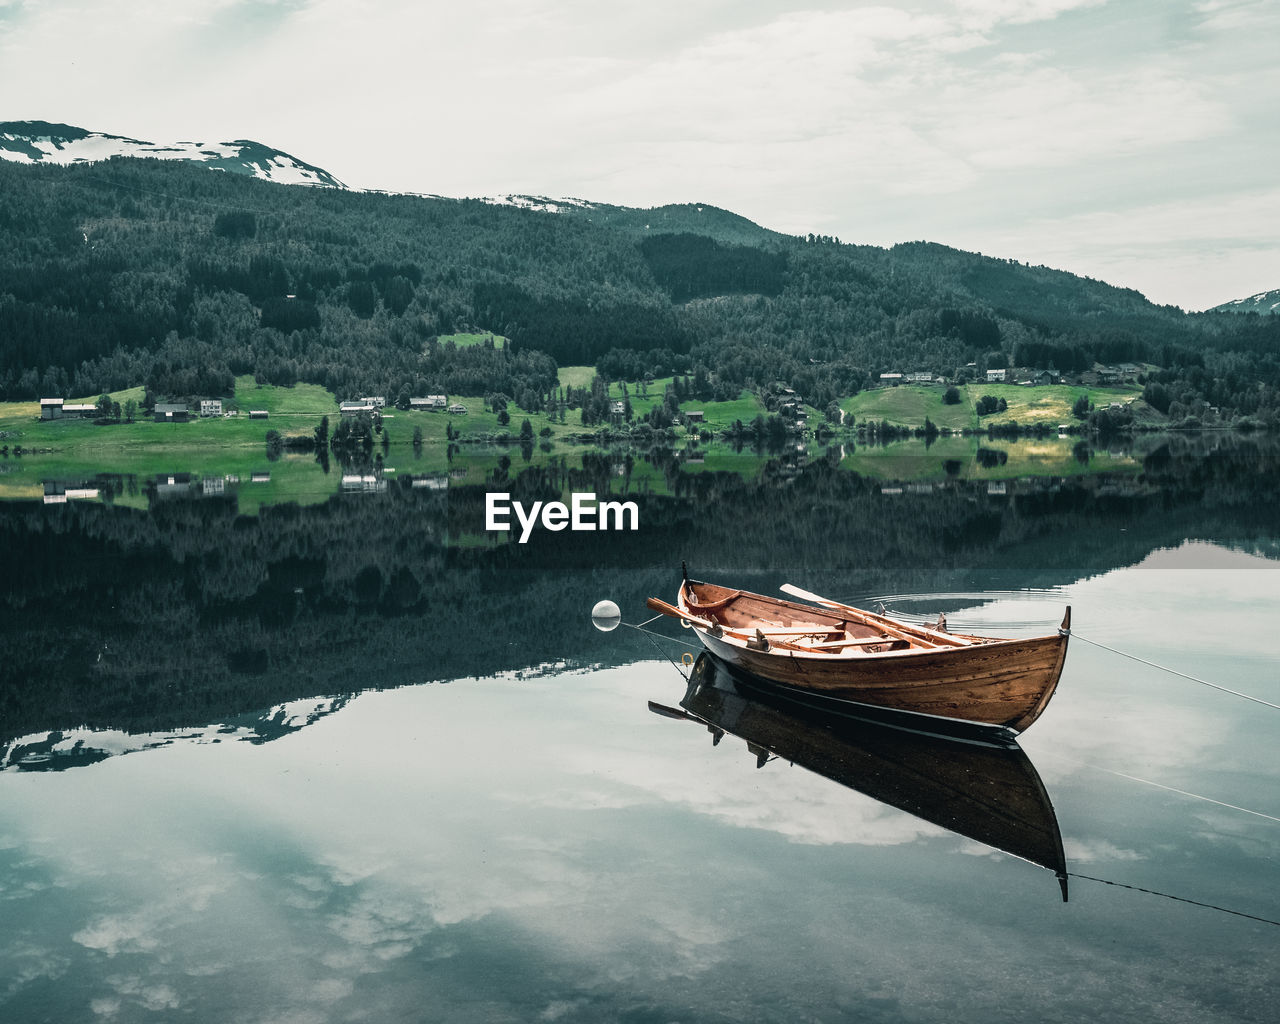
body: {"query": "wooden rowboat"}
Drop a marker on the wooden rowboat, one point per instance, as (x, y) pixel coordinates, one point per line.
(834, 654)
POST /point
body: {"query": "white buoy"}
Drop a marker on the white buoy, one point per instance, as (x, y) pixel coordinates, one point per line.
(605, 616)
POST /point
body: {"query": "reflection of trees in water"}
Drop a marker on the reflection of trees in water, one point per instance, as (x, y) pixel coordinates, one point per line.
(113, 616)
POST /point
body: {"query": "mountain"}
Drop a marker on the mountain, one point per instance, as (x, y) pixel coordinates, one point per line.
(44, 142)
(120, 271)
(1263, 302)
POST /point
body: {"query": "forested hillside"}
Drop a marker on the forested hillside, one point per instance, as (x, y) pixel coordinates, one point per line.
(137, 271)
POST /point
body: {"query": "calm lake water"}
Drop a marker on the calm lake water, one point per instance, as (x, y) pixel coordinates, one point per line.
(357, 762)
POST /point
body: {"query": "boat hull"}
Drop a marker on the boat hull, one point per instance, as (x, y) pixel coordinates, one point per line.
(1002, 684)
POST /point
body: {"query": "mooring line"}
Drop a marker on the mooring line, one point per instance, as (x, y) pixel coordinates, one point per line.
(1172, 671)
(1158, 785)
(1178, 899)
(650, 634)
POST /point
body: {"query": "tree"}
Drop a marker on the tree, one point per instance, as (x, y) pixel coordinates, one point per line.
(235, 224)
(526, 431)
(504, 417)
(130, 410)
(1157, 396)
(951, 396)
(417, 437)
(1081, 409)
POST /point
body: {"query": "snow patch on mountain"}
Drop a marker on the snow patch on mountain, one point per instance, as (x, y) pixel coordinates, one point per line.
(44, 142)
(540, 203)
(1263, 302)
(34, 142)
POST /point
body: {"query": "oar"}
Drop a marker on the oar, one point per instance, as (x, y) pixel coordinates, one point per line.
(717, 734)
(669, 712)
(714, 628)
(901, 630)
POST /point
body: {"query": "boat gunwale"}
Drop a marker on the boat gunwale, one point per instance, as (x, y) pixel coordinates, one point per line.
(798, 651)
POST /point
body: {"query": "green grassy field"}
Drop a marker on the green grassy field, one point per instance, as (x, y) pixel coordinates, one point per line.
(576, 376)
(910, 405)
(719, 416)
(309, 400)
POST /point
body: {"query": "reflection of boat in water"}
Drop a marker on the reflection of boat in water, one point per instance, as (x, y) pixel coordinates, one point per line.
(831, 653)
(987, 791)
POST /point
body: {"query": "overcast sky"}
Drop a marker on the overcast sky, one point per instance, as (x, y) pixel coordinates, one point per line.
(1134, 141)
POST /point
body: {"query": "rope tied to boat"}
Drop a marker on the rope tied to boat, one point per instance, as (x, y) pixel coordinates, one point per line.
(1176, 899)
(654, 637)
(1166, 668)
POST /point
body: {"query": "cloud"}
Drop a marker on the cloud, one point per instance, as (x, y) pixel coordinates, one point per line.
(980, 123)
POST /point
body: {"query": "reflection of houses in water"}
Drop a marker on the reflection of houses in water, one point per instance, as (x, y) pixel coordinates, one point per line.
(459, 472)
(59, 492)
(174, 485)
(431, 481)
(191, 485)
(362, 483)
(260, 478)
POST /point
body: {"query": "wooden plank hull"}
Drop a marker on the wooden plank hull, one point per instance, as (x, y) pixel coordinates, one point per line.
(990, 682)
